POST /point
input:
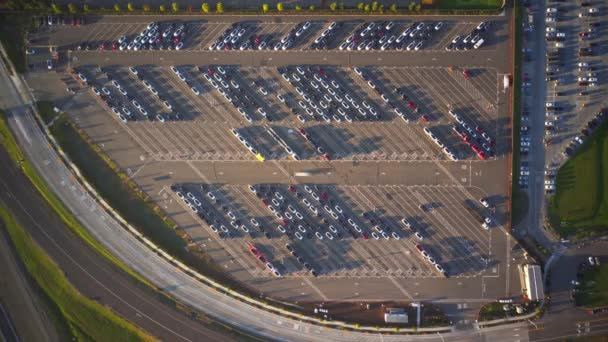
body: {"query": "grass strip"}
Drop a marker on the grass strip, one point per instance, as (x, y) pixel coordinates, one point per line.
(519, 198)
(88, 320)
(593, 291)
(580, 205)
(124, 196)
(469, 4)
(9, 143)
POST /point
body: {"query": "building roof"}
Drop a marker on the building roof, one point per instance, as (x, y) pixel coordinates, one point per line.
(534, 282)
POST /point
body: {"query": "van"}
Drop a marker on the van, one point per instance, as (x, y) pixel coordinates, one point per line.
(478, 44)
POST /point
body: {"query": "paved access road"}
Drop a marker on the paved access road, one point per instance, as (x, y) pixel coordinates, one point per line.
(89, 272)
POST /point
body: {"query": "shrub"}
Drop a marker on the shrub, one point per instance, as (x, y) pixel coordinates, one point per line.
(130, 7)
(360, 6)
(393, 8)
(116, 8)
(280, 7)
(162, 8)
(72, 9)
(205, 7)
(333, 6)
(146, 8)
(175, 7)
(86, 8)
(375, 6)
(56, 8)
(311, 7)
(219, 7)
(265, 8)
(298, 8)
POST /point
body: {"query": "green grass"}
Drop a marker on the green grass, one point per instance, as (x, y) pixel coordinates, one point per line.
(87, 319)
(593, 292)
(132, 204)
(580, 205)
(46, 110)
(519, 198)
(8, 141)
(12, 35)
(469, 4)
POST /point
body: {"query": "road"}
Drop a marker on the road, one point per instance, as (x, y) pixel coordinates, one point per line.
(90, 272)
(120, 243)
(22, 312)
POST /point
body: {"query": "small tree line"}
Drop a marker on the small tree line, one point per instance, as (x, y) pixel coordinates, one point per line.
(369, 8)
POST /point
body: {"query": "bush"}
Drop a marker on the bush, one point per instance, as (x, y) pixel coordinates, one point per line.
(205, 7)
(333, 6)
(298, 8)
(175, 7)
(367, 8)
(375, 6)
(312, 8)
(116, 7)
(360, 6)
(219, 7)
(56, 8)
(86, 8)
(147, 8)
(265, 8)
(130, 7)
(393, 8)
(280, 7)
(162, 8)
(72, 9)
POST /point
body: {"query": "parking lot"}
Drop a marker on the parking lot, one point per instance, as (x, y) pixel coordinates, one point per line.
(405, 157)
(215, 34)
(187, 132)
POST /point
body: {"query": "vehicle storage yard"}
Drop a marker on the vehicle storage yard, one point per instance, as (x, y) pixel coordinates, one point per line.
(384, 177)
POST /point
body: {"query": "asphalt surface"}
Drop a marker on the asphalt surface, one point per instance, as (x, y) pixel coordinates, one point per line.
(158, 155)
(22, 312)
(128, 249)
(89, 272)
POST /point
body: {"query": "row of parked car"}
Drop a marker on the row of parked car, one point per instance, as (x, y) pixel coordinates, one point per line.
(380, 36)
(472, 40)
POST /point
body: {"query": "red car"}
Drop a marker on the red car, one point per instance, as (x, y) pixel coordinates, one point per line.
(303, 132)
(114, 46)
(292, 188)
(419, 248)
(364, 236)
(324, 196)
(326, 156)
(102, 46)
(482, 155)
(465, 74)
(321, 71)
(265, 202)
(411, 105)
(425, 118)
(478, 129)
(583, 84)
(258, 39)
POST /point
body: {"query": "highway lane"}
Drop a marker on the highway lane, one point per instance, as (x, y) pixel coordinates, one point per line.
(19, 301)
(120, 243)
(128, 249)
(88, 271)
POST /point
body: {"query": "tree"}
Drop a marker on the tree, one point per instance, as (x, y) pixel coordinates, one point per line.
(280, 7)
(265, 8)
(360, 6)
(86, 8)
(341, 5)
(116, 7)
(130, 7)
(146, 8)
(219, 7)
(298, 8)
(162, 8)
(311, 7)
(56, 8)
(205, 7)
(367, 8)
(375, 6)
(393, 8)
(410, 7)
(175, 7)
(72, 9)
(418, 7)
(333, 6)
(381, 8)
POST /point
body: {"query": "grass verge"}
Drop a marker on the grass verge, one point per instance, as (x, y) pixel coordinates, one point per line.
(116, 188)
(593, 291)
(469, 4)
(13, 32)
(519, 198)
(87, 319)
(9, 143)
(580, 205)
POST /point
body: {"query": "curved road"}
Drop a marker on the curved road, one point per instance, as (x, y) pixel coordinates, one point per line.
(15, 97)
(90, 272)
